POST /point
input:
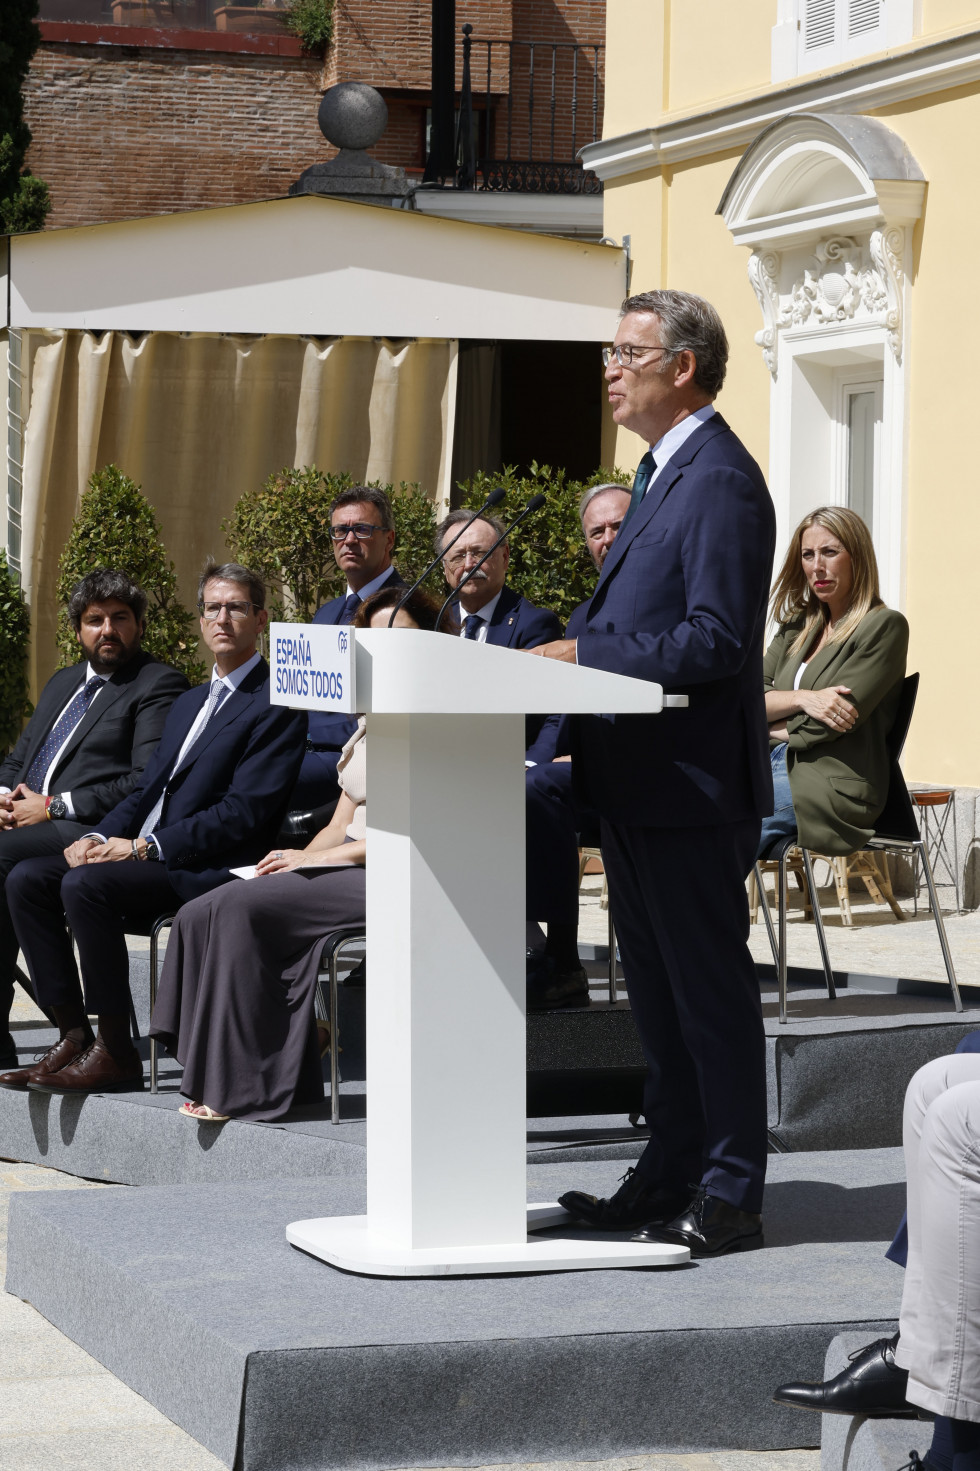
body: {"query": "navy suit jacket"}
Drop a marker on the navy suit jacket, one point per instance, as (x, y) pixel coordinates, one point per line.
(225, 804)
(332, 732)
(682, 600)
(516, 623)
(553, 739)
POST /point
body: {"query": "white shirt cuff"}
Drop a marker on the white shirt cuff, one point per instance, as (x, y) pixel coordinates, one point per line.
(66, 798)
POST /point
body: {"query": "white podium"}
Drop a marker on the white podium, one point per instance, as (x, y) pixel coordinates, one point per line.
(446, 1048)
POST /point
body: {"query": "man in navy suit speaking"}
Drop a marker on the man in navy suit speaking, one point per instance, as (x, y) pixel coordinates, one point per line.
(210, 799)
(682, 600)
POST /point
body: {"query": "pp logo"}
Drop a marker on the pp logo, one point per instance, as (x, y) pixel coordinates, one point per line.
(342, 642)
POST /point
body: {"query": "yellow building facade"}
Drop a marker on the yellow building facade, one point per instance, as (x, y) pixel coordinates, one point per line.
(809, 166)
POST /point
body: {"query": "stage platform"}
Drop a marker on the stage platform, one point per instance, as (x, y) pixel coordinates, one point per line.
(837, 1074)
(271, 1359)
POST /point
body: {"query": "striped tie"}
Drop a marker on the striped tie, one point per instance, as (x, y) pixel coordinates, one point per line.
(216, 696)
(644, 473)
(60, 731)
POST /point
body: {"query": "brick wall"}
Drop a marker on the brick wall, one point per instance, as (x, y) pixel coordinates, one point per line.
(122, 131)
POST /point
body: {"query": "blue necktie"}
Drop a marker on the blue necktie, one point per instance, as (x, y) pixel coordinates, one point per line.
(644, 473)
(351, 605)
(471, 625)
(60, 731)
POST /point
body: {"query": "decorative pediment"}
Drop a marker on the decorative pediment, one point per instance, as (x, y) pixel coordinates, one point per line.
(824, 202)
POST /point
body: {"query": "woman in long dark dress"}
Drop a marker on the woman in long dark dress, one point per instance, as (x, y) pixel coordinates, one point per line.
(236, 992)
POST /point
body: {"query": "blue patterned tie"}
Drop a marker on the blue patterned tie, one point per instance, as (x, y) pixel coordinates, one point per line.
(351, 605)
(644, 473)
(471, 625)
(60, 732)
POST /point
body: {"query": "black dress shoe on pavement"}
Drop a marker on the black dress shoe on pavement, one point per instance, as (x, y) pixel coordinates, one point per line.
(548, 988)
(709, 1227)
(871, 1385)
(636, 1203)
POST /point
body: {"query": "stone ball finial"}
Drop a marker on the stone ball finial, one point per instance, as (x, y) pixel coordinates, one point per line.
(352, 115)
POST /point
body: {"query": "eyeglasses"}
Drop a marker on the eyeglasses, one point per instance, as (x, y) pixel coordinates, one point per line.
(625, 352)
(458, 559)
(361, 529)
(237, 612)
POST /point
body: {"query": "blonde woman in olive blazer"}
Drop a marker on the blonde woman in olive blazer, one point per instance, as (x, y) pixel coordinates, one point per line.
(828, 726)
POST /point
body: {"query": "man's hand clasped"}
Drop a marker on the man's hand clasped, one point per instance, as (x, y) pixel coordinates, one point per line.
(22, 808)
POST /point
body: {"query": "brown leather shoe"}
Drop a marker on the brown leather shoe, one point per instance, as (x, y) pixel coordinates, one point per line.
(95, 1071)
(64, 1051)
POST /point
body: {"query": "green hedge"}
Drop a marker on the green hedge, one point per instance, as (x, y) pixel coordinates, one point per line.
(15, 626)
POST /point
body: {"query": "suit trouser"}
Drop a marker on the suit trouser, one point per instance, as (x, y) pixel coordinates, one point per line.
(17, 844)
(551, 843)
(681, 914)
(939, 1340)
(98, 899)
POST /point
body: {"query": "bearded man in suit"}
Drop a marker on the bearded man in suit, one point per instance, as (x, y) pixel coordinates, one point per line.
(682, 601)
(96, 725)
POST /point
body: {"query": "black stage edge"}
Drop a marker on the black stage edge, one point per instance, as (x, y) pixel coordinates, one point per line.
(271, 1359)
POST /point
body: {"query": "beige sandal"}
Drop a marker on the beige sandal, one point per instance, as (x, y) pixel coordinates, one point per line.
(203, 1114)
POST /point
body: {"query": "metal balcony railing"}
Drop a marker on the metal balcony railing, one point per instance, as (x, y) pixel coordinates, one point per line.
(534, 105)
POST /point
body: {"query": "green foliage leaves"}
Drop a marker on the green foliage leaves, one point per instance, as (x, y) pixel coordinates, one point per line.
(15, 626)
(116, 528)
(549, 562)
(312, 22)
(282, 531)
(24, 200)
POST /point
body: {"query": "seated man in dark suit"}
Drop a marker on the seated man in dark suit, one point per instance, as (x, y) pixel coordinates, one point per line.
(555, 974)
(83, 750)
(211, 799)
(362, 526)
(487, 610)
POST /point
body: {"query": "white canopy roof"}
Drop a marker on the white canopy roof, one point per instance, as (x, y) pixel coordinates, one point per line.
(313, 266)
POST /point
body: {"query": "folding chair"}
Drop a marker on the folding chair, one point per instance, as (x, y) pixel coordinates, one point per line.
(333, 947)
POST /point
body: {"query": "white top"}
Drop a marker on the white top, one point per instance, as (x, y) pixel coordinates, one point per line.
(668, 444)
(370, 588)
(485, 613)
(799, 674)
(352, 776)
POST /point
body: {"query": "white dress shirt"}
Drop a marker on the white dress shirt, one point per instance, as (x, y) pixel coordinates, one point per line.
(370, 588)
(485, 613)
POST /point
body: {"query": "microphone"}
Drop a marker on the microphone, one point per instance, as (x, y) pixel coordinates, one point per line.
(493, 499)
(534, 504)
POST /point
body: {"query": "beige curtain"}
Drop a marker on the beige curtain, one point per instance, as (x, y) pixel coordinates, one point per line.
(197, 420)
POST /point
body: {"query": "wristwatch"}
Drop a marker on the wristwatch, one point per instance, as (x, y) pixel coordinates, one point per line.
(56, 808)
(153, 854)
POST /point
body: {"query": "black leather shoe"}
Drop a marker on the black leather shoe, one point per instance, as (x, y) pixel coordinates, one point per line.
(871, 1385)
(548, 988)
(709, 1226)
(636, 1203)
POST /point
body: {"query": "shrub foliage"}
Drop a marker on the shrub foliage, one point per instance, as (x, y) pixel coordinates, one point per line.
(116, 527)
(24, 199)
(312, 22)
(282, 530)
(15, 627)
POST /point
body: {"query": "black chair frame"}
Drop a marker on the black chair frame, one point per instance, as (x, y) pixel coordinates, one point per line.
(326, 1011)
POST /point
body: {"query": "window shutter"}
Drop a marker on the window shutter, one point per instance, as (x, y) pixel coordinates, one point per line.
(819, 23)
(862, 16)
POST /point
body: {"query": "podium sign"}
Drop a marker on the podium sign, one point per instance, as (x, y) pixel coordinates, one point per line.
(312, 667)
(446, 1044)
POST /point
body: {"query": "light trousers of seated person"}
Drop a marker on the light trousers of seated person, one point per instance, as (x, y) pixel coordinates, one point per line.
(939, 1341)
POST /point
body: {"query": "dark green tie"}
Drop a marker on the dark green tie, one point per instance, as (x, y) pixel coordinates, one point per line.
(644, 472)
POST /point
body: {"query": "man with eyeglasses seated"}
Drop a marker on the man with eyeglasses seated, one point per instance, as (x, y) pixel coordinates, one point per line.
(362, 527)
(210, 799)
(488, 612)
